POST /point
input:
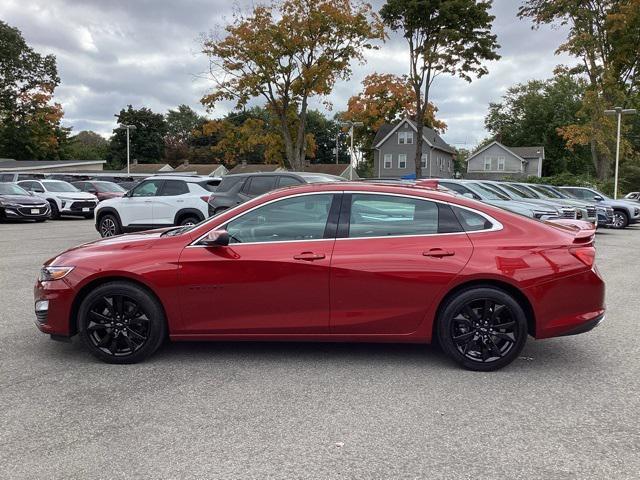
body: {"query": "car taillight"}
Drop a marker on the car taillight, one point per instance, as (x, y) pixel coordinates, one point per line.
(205, 198)
(586, 255)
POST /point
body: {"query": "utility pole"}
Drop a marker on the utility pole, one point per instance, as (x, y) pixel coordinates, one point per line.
(619, 112)
(351, 125)
(127, 128)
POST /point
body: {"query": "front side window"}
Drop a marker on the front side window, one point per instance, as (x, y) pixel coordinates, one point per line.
(298, 218)
(149, 188)
(386, 215)
(259, 185)
(388, 160)
(402, 161)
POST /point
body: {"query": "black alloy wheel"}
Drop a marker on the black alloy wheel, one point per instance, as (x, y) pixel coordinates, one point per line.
(620, 219)
(121, 323)
(483, 329)
(109, 226)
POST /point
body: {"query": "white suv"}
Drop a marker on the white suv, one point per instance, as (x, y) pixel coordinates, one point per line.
(158, 201)
(64, 198)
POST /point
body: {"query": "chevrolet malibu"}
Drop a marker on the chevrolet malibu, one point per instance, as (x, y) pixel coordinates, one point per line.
(342, 262)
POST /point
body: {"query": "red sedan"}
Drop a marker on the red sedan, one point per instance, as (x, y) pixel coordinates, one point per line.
(331, 262)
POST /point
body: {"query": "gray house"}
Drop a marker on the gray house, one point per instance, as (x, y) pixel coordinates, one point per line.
(394, 152)
(496, 162)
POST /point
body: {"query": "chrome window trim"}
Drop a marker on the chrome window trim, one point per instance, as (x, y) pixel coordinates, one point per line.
(497, 226)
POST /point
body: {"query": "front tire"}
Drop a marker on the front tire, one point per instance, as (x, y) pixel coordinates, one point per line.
(55, 213)
(188, 220)
(482, 328)
(620, 219)
(120, 322)
(109, 226)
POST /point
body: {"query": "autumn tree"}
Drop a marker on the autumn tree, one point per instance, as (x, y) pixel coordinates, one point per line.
(385, 98)
(604, 35)
(444, 37)
(30, 122)
(287, 53)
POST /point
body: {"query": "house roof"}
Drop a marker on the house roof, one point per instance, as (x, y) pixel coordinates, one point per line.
(432, 137)
(255, 168)
(523, 153)
(528, 152)
(199, 168)
(10, 165)
(328, 168)
(148, 168)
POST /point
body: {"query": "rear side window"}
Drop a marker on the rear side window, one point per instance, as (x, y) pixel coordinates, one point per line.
(174, 187)
(471, 221)
(259, 185)
(386, 215)
(228, 183)
(210, 185)
(7, 177)
(288, 181)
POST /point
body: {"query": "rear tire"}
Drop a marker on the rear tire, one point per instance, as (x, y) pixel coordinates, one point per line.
(188, 220)
(120, 322)
(482, 328)
(109, 226)
(620, 219)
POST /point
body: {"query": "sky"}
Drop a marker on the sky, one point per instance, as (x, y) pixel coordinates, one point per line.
(111, 53)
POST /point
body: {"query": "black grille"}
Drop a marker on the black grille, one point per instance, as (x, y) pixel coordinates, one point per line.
(78, 206)
(591, 212)
(568, 213)
(26, 211)
(42, 316)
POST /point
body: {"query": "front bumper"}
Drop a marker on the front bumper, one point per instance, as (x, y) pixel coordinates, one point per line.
(23, 212)
(54, 319)
(78, 207)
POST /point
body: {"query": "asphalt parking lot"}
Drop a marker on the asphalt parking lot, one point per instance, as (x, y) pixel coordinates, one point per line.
(568, 408)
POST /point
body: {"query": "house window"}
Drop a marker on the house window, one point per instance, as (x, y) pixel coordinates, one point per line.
(388, 160)
(402, 161)
(450, 162)
(487, 163)
(423, 160)
(405, 138)
(501, 164)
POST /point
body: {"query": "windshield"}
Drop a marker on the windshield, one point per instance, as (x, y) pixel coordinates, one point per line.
(526, 191)
(544, 191)
(108, 187)
(57, 186)
(517, 193)
(487, 193)
(11, 189)
(560, 193)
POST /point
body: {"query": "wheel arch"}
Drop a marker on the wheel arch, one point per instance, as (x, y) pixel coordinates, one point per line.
(516, 293)
(105, 211)
(184, 212)
(96, 282)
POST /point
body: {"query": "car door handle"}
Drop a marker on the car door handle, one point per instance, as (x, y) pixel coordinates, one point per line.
(309, 256)
(438, 253)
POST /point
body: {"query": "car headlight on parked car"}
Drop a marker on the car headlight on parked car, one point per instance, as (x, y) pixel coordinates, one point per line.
(5, 203)
(48, 274)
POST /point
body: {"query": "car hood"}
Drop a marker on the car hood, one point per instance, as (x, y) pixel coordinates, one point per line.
(75, 195)
(22, 199)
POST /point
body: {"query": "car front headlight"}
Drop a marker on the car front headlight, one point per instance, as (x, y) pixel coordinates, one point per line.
(5, 203)
(49, 274)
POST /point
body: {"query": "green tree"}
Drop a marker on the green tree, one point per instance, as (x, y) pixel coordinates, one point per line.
(87, 145)
(286, 53)
(147, 141)
(445, 37)
(30, 125)
(325, 131)
(605, 36)
(181, 125)
(534, 113)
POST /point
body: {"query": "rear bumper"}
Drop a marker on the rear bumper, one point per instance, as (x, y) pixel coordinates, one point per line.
(587, 326)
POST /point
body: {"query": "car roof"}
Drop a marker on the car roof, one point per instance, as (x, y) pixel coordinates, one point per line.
(186, 178)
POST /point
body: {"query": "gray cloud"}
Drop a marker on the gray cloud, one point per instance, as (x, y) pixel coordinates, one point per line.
(146, 53)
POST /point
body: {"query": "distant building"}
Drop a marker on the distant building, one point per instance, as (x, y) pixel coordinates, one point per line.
(497, 162)
(50, 166)
(210, 169)
(394, 152)
(149, 168)
(256, 168)
(343, 170)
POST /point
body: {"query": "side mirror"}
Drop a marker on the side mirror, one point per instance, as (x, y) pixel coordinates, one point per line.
(598, 198)
(92, 190)
(216, 238)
